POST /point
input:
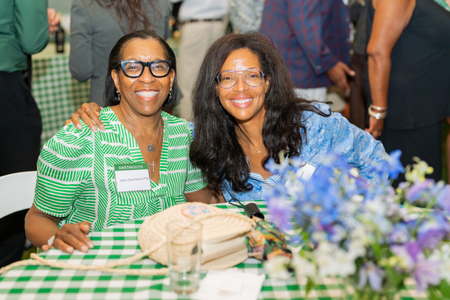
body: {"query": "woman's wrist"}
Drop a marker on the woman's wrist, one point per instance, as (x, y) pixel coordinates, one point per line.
(377, 112)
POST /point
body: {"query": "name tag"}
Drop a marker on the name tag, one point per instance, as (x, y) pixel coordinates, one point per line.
(306, 171)
(132, 177)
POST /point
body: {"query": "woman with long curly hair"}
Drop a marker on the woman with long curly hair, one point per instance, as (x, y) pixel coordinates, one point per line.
(243, 121)
(246, 112)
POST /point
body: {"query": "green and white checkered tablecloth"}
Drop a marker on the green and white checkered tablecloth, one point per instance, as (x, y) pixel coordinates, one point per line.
(120, 241)
(57, 93)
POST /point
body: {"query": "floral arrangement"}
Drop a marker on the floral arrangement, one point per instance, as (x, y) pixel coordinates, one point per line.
(365, 232)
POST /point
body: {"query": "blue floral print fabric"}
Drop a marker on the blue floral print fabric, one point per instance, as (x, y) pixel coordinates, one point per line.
(324, 134)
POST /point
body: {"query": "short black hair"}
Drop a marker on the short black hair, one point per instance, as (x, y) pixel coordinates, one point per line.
(115, 57)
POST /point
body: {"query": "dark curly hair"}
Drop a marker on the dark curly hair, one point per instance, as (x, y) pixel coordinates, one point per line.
(115, 57)
(215, 149)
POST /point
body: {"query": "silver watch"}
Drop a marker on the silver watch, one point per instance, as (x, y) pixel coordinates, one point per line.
(51, 240)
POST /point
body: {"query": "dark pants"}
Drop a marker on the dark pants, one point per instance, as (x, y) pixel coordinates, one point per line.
(20, 125)
(424, 143)
(20, 133)
(357, 98)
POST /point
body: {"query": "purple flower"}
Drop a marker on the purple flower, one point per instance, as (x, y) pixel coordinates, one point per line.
(280, 212)
(409, 252)
(432, 231)
(426, 273)
(443, 199)
(416, 191)
(370, 271)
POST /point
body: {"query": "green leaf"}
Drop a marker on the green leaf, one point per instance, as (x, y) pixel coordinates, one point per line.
(309, 286)
(393, 277)
(444, 288)
(377, 251)
(434, 294)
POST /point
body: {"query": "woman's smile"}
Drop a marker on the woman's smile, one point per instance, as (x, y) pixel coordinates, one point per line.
(241, 101)
(147, 94)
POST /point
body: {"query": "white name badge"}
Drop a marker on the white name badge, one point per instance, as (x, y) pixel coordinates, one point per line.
(306, 171)
(132, 177)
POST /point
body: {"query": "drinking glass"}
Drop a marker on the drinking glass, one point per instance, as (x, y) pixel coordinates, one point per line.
(184, 239)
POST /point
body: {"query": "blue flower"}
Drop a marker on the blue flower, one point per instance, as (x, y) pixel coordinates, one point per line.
(275, 168)
(392, 165)
(400, 234)
(395, 167)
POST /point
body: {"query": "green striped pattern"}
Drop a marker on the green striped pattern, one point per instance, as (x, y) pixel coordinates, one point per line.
(443, 3)
(76, 179)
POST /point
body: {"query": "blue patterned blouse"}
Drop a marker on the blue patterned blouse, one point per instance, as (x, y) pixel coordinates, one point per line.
(324, 134)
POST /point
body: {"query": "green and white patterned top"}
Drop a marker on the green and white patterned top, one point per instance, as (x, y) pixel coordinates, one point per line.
(76, 179)
(443, 3)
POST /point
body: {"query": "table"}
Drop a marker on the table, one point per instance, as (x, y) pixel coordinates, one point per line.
(57, 94)
(120, 241)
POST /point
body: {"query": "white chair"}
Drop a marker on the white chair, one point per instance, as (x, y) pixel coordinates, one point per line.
(16, 192)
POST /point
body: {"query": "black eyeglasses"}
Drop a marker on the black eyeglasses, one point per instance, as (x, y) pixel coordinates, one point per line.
(252, 77)
(135, 68)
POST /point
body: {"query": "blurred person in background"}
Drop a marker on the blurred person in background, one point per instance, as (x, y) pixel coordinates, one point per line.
(24, 30)
(409, 79)
(312, 36)
(202, 23)
(96, 26)
(408, 76)
(357, 98)
(246, 15)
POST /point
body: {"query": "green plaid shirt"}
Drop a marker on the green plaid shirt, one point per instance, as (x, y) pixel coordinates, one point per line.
(76, 178)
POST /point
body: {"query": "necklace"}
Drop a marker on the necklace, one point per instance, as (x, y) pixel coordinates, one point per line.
(153, 161)
(134, 131)
(240, 131)
(150, 146)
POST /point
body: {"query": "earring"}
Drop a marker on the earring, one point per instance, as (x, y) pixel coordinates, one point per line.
(118, 95)
(170, 94)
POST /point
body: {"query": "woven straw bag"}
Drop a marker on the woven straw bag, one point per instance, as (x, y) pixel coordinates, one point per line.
(222, 234)
(222, 241)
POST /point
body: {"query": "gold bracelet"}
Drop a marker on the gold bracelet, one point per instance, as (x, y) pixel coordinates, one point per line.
(377, 107)
(378, 116)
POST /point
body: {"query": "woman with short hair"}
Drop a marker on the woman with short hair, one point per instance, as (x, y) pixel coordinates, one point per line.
(86, 180)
